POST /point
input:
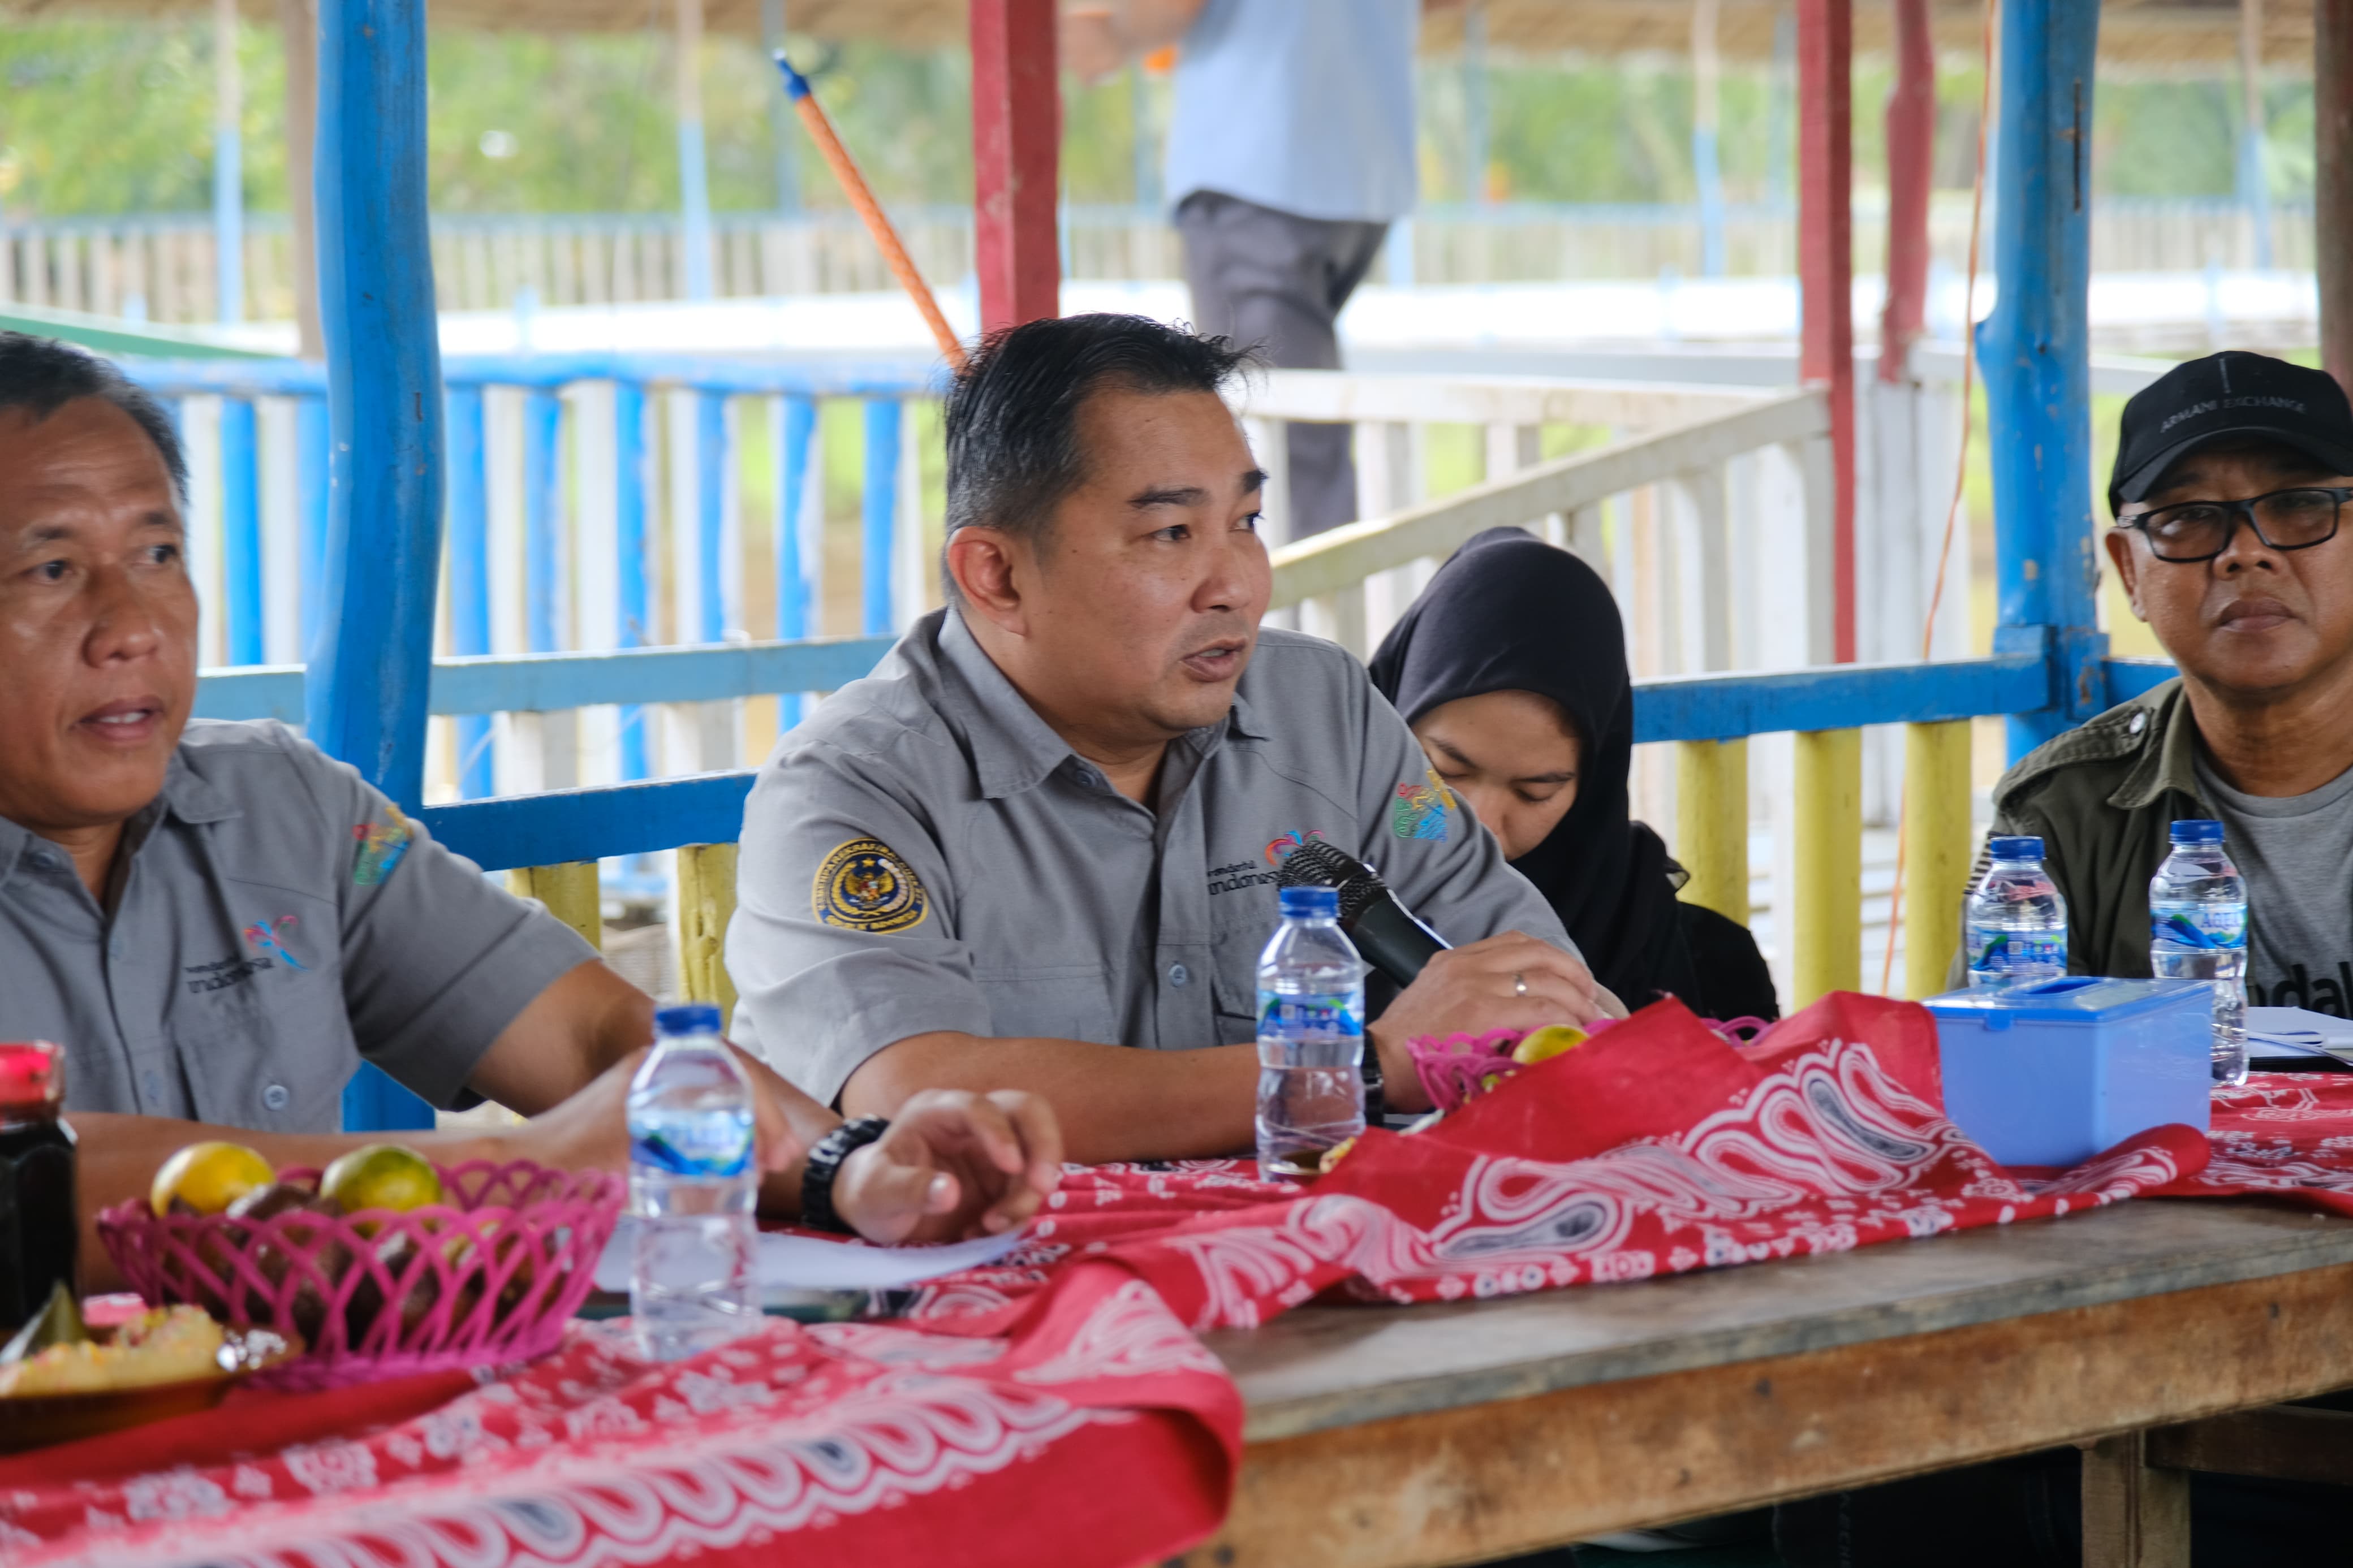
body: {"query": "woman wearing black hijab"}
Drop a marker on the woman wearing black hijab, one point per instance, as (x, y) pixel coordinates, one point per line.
(1511, 668)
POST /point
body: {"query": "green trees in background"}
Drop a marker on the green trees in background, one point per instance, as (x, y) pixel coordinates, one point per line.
(115, 117)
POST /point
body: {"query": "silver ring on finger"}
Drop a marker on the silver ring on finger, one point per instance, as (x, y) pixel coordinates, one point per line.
(1519, 985)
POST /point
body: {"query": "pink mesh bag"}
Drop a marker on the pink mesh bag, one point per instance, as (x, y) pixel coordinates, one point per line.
(1458, 1068)
(488, 1277)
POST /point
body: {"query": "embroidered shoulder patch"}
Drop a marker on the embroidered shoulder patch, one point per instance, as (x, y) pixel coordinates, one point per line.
(1419, 809)
(866, 887)
(381, 844)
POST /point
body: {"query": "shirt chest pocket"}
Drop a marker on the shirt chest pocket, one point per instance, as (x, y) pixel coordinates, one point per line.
(266, 1042)
(1067, 1002)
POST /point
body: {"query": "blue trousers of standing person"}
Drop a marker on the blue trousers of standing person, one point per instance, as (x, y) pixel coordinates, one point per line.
(1278, 281)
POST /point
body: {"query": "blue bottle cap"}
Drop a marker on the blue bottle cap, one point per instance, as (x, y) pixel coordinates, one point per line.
(2196, 830)
(688, 1018)
(2025, 847)
(1310, 903)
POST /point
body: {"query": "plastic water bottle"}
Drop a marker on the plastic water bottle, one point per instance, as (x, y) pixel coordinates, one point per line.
(2197, 930)
(2017, 920)
(1311, 1038)
(693, 1181)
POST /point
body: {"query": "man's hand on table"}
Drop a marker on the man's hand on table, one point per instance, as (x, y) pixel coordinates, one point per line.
(1507, 982)
(954, 1165)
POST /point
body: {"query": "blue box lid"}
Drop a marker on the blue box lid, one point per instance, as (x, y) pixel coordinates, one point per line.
(2070, 999)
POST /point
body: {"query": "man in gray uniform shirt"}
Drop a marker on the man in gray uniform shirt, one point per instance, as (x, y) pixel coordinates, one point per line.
(218, 922)
(1037, 846)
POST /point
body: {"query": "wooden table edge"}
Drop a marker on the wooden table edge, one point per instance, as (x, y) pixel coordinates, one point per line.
(1474, 1481)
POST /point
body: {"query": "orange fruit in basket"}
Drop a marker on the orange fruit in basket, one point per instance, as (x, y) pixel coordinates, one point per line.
(1543, 1044)
(208, 1177)
(382, 1177)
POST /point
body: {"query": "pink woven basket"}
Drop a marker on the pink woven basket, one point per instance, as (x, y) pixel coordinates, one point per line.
(490, 1277)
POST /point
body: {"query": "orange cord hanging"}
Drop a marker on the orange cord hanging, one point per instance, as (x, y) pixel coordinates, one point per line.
(878, 224)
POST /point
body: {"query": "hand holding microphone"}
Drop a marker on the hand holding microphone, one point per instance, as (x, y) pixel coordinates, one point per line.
(1509, 982)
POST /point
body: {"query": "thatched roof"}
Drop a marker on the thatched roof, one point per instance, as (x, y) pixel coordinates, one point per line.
(2162, 34)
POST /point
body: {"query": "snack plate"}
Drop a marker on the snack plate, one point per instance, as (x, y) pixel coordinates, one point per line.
(40, 1420)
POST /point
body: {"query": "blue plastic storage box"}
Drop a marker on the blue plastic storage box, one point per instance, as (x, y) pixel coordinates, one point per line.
(2055, 1073)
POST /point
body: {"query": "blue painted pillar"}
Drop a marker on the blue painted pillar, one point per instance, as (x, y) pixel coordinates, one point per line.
(1474, 102)
(1144, 152)
(310, 460)
(2035, 352)
(240, 533)
(783, 133)
(228, 166)
(469, 578)
(631, 615)
(711, 458)
(881, 513)
(1707, 171)
(367, 690)
(693, 168)
(796, 429)
(543, 519)
(2254, 179)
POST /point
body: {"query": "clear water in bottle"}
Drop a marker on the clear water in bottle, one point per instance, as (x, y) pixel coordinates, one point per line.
(692, 1183)
(2017, 920)
(2197, 930)
(1311, 1038)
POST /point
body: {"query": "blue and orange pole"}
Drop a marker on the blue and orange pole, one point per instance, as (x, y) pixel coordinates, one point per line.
(878, 224)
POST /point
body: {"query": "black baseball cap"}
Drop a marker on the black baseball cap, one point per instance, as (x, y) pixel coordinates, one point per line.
(2233, 393)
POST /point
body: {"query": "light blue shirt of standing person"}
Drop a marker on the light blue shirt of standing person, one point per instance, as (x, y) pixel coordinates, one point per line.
(1305, 106)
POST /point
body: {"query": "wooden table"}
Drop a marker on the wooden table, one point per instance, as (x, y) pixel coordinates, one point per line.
(1457, 1433)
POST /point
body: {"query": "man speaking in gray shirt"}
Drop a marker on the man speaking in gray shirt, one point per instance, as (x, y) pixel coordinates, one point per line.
(1037, 848)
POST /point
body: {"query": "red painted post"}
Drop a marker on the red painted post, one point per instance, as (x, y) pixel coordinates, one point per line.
(1016, 132)
(1911, 167)
(2332, 84)
(1826, 268)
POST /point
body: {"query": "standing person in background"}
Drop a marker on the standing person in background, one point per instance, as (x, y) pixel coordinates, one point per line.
(1291, 152)
(1511, 668)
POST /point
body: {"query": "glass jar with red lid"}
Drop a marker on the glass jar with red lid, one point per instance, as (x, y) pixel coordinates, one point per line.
(39, 1226)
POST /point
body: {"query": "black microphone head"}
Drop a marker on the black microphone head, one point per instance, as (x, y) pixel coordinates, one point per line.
(1316, 863)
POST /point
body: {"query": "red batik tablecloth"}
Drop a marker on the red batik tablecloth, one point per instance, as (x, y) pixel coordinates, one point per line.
(1054, 1408)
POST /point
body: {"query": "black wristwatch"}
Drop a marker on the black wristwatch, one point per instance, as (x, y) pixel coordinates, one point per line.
(824, 1165)
(1377, 1104)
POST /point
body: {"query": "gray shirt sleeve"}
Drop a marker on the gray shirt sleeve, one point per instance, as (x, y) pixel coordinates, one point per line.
(1442, 865)
(845, 936)
(437, 962)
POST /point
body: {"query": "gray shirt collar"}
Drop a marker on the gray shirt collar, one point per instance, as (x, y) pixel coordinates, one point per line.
(1013, 749)
(185, 794)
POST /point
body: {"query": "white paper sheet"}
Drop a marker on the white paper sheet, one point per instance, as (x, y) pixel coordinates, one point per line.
(2293, 1030)
(804, 1263)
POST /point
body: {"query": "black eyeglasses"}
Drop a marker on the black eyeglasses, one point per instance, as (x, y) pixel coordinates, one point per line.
(2201, 529)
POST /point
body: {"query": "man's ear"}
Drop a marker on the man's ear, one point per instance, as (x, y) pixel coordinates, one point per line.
(2119, 541)
(984, 563)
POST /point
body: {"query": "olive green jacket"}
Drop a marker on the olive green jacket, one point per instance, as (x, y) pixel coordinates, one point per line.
(2102, 798)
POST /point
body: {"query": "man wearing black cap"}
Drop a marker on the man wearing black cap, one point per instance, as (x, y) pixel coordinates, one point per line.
(2229, 484)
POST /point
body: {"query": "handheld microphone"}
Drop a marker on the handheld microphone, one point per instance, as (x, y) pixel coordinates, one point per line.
(1383, 933)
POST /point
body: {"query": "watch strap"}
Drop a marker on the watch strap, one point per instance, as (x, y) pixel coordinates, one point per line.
(824, 1163)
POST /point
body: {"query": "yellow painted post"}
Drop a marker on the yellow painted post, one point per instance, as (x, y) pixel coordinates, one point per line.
(706, 902)
(1827, 945)
(569, 890)
(1711, 824)
(1935, 851)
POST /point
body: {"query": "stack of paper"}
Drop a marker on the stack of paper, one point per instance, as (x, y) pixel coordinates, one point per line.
(2297, 1032)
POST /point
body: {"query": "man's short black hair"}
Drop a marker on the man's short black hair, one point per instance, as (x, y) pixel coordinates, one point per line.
(1013, 413)
(43, 375)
